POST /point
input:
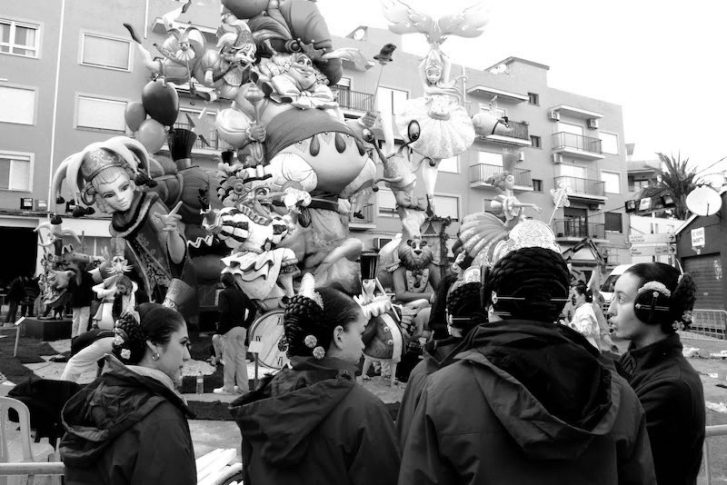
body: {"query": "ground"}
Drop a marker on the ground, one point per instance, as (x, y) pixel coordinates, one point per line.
(219, 433)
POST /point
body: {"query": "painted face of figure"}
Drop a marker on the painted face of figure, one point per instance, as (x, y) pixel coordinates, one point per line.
(623, 318)
(303, 72)
(350, 345)
(122, 289)
(117, 194)
(433, 71)
(174, 354)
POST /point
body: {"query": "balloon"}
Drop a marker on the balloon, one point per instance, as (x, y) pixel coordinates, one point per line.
(232, 126)
(152, 135)
(161, 101)
(134, 115)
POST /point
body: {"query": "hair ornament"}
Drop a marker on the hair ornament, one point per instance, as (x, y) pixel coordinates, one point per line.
(307, 289)
(120, 336)
(283, 344)
(125, 354)
(319, 353)
(310, 341)
(656, 287)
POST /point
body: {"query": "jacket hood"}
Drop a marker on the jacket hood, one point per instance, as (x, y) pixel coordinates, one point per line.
(106, 408)
(545, 385)
(281, 414)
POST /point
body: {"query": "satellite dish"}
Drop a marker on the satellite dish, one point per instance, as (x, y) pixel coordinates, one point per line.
(704, 201)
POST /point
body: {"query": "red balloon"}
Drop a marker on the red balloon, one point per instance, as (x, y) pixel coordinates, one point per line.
(161, 101)
(134, 115)
(152, 135)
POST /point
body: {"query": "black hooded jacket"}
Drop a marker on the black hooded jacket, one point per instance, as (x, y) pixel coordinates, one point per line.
(313, 424)
(528, 403)
(127, 429)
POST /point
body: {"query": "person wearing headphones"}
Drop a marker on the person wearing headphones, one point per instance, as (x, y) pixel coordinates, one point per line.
(651, 301)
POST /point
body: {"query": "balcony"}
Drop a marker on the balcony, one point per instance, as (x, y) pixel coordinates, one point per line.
(514, 133)
(355, 100)
(577, 229)
(214, 142)
(584, 147)
(480, 173)
(502, 95)
(368, 221)
(588, 189)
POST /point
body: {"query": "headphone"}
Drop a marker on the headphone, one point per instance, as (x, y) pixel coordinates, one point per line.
(651, 298)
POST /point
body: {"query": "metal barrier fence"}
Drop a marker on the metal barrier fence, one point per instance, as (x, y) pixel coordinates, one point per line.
(711, 432)
(709, 322)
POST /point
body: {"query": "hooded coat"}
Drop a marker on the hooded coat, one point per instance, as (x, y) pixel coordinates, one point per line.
(673, 398)
(313, 424)
(528, 403)
(127, 429)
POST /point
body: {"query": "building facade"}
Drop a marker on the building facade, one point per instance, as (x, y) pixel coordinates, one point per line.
(68, 70)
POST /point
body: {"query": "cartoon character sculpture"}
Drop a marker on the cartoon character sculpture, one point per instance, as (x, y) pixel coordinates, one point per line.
(254, 232)
(287, 125)
(506, 204)
(444, 128)
(113, 175)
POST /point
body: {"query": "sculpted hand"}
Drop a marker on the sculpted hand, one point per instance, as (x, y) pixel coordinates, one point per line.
(170, 221)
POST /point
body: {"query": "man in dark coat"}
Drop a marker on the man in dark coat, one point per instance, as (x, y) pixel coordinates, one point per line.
(650, 300)
(529, 402)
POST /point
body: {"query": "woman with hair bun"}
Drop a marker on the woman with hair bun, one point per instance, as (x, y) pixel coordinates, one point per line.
(313, 423)
(130, 426)
(651, 301)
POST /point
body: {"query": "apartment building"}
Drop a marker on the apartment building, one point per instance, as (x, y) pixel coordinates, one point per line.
(68, 70)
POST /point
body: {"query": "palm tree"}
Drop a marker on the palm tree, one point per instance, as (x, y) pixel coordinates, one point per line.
(678, 180)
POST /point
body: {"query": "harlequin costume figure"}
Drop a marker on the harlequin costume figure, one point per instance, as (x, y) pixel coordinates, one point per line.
(112, 176)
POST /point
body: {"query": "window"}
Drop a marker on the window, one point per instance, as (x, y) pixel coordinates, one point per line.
(100, 113)
(106, 52)
(535, 141)
(486, 205)
(613, 222)
(386, 202)
(15, 171)
(639, 185)
(19, 38)
(611, 182)
(533, 98)
(447, 206)
(570, 128)
(449, 165)
(609, 143)
(17, 105)
(390, 101)
(573, 171)
(537, 185)
(490, 158)
(214, 143)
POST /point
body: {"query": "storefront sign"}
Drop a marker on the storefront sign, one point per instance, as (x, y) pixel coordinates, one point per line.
(698, 238)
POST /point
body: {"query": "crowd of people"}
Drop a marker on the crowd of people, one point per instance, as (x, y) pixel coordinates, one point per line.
(506, 394)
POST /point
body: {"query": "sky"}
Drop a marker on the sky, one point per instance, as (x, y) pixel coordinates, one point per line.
(663, 61)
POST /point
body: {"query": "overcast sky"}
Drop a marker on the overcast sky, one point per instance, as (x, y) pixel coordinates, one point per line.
(662, 60)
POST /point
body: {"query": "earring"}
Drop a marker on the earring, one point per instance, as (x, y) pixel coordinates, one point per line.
(155, 356)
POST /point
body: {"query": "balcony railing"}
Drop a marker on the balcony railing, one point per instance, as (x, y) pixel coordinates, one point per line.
(582, 187)
(355, 100)
(214, 142)
(514, 129)
(579, 228)
(480, 173)
(563, 140)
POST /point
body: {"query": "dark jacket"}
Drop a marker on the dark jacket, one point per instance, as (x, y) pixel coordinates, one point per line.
(125, 428)
(313, 424)
(529, 403)
(232, 303)
(82, 293)
(671, 392)
(437, 354)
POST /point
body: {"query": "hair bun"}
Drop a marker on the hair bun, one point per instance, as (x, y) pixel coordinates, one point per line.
(129, 340)
(682, 299)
